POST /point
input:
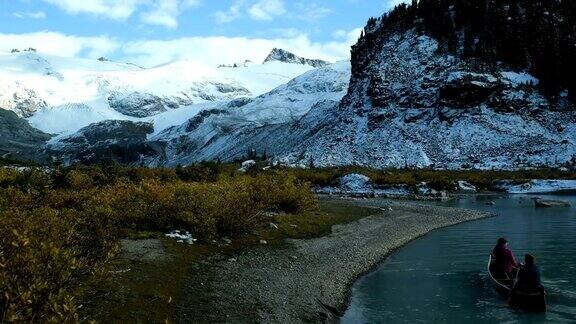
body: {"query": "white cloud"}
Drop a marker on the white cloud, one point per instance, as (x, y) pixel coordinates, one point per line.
(233, 13)
(212, 51)
(59, 44)
(311, 11)
(350, 36)
(114, 9)
(206, 51)
(267, 9)
(154, 12)
(31, 15)
(165, 12)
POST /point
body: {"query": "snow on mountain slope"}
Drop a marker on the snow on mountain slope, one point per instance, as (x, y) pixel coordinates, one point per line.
(290, 101)
(213, 133)
(408, 105)
(281, 55)
(412, 105)
(63, 95)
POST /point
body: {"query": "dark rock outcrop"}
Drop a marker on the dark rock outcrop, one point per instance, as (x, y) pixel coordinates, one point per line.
(118, 141)
(19, 140)
(137, 104)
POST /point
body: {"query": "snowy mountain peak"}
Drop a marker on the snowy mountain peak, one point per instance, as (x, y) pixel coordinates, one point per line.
(281, 55)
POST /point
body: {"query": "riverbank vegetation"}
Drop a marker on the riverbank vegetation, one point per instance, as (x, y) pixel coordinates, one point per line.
(437, 179)
(57, 227)
(60, 227)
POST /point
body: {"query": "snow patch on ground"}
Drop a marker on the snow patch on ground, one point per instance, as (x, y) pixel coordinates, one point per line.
(520, 78)
(538, 186)
(182, 237)
(247, 165)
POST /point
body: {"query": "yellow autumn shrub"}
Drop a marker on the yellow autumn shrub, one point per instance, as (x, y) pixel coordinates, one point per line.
(57, 227)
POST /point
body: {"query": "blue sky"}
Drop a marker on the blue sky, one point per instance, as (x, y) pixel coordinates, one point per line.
(151, 32)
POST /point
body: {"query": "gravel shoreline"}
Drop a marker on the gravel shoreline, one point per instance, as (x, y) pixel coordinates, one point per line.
(308, 280)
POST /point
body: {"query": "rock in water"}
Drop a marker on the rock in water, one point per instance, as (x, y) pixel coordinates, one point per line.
(551, 203)
(466, 186)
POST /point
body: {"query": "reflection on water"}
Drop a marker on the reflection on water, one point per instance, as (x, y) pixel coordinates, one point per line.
(442, 277)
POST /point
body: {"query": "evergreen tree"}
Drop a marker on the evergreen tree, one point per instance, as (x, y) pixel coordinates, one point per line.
(538, 36)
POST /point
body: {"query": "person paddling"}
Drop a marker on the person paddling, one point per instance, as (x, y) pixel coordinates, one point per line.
(529, 276)
(505, 262)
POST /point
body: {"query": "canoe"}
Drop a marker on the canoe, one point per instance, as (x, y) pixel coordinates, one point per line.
(533, 302)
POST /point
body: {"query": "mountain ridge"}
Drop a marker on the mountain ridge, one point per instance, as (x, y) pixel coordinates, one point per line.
(412, 103)
(281, 55)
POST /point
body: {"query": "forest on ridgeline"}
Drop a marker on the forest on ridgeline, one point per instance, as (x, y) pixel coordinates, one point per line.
(537, 36)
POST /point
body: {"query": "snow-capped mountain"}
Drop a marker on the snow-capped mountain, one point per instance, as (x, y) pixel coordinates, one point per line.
(216, 129)
(229, 131)
(410, 103)
(414, 106)
(62, 95)
(281, 55)
(409, 97)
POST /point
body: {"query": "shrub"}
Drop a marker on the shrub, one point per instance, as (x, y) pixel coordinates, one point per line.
(42, 258)
(58, 227)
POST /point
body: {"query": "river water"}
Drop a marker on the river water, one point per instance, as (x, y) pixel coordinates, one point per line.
(442, 277)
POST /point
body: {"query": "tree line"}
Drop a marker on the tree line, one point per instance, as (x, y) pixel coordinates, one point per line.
(534, 35)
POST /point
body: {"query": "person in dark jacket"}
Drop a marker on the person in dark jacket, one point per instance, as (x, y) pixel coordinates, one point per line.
(529, 276)
(505, 262)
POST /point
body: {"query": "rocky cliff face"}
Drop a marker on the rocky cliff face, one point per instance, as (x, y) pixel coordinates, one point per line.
(20, 99)
(264, 124)
(109, 141)
(411, 104)
(18, 140)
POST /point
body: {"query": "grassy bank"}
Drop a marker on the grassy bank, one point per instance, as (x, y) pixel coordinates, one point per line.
(58, 228)
(437, 179)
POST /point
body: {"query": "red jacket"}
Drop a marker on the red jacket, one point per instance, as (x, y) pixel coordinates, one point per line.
(505, 258)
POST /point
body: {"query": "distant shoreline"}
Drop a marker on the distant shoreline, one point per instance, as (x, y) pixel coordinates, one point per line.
(310, 280)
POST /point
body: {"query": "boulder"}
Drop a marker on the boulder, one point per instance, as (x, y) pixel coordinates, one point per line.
(547, 203)
(247, 165)
(356, 183)
(422, 189)
(464, 186)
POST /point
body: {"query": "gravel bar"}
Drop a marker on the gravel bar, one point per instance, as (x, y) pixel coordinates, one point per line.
(309, 280)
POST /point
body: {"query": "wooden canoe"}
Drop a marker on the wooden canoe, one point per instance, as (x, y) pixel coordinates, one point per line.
(534, 302)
